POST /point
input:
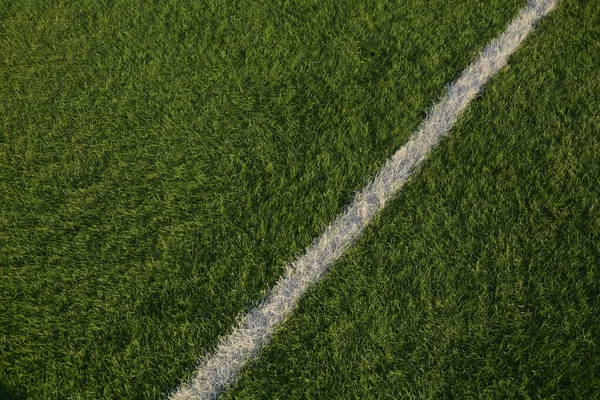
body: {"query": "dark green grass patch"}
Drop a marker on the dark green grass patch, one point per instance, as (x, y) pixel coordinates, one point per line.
(160, 162)
(482, 279)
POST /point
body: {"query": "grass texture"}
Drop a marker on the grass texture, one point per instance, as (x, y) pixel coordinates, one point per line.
(221, 368)
(161, 163)
(481, 279)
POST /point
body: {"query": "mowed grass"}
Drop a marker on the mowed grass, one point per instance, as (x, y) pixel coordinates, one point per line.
(481, 280)
(160, 163)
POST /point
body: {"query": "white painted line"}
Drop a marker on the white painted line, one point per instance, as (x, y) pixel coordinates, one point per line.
(217, 371)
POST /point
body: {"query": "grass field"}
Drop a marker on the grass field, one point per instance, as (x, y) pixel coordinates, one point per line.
(160, 164)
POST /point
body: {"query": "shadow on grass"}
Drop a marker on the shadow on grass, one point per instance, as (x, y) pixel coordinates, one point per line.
(9, 394)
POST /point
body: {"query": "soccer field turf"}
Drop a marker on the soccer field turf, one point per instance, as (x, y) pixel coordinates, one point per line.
(160, 164)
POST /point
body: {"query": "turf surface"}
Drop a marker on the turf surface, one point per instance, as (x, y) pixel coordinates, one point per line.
(160, 163)
(481, 280)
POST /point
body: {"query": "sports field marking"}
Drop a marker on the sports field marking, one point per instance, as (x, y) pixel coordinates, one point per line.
(217, 371)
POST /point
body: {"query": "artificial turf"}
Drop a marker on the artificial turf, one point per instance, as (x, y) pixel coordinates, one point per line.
(161, 163)
(481, 280)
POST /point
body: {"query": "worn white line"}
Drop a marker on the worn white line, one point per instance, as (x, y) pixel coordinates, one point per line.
(217, 371)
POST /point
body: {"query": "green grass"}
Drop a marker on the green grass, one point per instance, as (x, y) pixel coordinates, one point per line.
(161, 163)
(481, 280)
